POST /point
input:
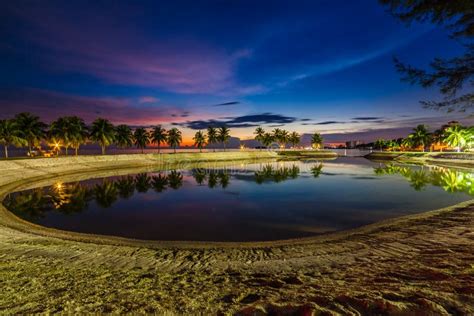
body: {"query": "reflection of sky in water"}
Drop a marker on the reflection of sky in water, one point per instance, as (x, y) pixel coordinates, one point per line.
(242, 202)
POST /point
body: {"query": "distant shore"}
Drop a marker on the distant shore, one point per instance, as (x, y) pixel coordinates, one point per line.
(448, 159)
(415, 264)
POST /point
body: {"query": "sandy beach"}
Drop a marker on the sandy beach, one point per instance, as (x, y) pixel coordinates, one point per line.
(420, 264)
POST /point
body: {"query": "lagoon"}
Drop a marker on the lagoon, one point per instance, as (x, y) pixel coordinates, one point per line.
(244, 201)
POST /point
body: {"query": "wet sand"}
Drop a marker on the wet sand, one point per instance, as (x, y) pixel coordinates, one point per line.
(420, 264)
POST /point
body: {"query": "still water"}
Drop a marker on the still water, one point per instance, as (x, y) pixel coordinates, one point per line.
(244, 201)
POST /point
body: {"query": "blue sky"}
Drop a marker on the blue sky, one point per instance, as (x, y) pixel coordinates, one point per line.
(305, 65)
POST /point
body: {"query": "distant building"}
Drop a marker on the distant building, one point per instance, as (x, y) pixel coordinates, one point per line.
(353, 144)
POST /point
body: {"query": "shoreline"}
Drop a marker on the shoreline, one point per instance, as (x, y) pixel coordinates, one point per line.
(379, 268)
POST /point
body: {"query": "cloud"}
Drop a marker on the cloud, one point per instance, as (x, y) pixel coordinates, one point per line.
(252, 120)
(367, 118)
(51, 104)
(227, 103)
(111, 49)
(148, 99)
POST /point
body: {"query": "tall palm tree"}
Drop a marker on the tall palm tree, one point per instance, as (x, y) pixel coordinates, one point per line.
(158, 136)
(62, 130)
(267, 139)
(259, 133)
(316, 140)
(407, 142)
(141, 138)
(224, 135)
(456, 136)
(174, 138)
(123, 136)
(79, 132)
(280, 136)
(294, 139)
(380, 144)
(32, 129)
(10, 135)
(199, 140)
(420, 136)
(102, 132)
(212, 136)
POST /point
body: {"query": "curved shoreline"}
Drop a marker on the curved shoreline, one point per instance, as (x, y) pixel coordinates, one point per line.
(339, 272)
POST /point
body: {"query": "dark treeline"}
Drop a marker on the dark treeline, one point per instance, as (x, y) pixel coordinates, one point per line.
(71, 132)
(450, 136)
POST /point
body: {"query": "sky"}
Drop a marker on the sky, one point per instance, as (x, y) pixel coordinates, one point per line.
(306, 66)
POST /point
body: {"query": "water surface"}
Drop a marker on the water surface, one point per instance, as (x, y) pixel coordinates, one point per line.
(244, 201)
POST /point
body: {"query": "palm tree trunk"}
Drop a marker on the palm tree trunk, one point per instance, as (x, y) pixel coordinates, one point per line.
(174, 148)
(6, 151)
(143, 151)
(158, 147)
(103, 150)
(66, 149)
(224, 146)
(76, 150)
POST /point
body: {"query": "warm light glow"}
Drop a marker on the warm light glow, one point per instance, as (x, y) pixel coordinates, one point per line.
(59, 186)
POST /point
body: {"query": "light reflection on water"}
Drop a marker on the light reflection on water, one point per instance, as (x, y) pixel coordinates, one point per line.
(244, 201)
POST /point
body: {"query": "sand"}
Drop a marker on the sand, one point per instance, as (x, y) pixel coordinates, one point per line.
(420, 264)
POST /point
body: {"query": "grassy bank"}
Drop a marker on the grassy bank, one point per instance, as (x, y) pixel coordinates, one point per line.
(460, 160)
(314, 154)
(412, 265)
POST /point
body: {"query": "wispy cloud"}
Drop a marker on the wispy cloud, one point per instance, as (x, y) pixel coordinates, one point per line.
(50, 104)
(227, 103)
(252, 120)
(112, 51)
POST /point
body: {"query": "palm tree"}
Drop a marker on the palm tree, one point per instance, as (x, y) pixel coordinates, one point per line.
(79, 132)
(123, 136)
(380, 144)
(212, 137)
(259, 133)
(224, 135)
(199, 140)
(102, 132)
(32, 129)
(141, 138)
(158, 136)
(456, 136)
(10, 135)
(59, 132)
(68, 130)
(294, 139)
(316, 140)
(174, 138)
(420, 136)
(267, 139)
(407, 142)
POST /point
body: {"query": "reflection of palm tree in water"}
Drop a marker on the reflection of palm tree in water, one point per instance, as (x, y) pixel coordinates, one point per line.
(105, 193)
(159, 183)
(71, 198)
(449, 180)
(34, 203)
(175, 179)
(142, 182)
(316, 170)
(212, 179)
(419, 179)
(453, 181)
(199, 175)
(224, 178)
(268, 172)
(125, 187)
